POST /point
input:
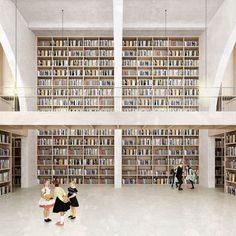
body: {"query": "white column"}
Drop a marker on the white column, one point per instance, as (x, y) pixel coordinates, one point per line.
(29, 160)
(206, 159)
(118, 159)
(118, 34)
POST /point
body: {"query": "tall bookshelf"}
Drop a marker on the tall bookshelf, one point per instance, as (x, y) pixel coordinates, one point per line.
(75, 73)
(219, 162)
(16, 162)
(5, 162)
(83, 155)
(148, 155)
(230, 162)
(160, 74)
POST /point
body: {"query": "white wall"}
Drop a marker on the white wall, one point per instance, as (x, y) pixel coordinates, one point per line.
(26, 77)
(6, 78)
(228, 82)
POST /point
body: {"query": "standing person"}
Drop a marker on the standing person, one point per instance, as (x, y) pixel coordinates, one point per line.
(179, 175)
(62, 203)
(46, 201)
(72, 191)
(191, 176)
(173, 179)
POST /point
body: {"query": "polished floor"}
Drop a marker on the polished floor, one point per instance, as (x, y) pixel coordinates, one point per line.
(132, 210)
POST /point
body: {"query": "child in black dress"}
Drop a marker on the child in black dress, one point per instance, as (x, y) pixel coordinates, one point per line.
(72, 191)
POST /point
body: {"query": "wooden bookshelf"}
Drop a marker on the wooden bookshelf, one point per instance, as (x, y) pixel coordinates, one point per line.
(16, 162)
(230, 162)
(84, 155)
(219, 162)
(148, 155)
(160, 74)
(5, 162)
(75, 73)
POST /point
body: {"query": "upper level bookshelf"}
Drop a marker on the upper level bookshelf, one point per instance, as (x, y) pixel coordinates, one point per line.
(5, 162)
(160, 73)
(75, 74)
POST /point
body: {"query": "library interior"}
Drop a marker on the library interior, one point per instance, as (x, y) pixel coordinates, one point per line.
(117, 117)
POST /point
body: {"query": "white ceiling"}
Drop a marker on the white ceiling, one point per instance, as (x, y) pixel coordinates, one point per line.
(97, 14)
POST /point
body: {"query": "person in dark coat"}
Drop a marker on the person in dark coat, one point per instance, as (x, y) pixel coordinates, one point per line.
(179, 175)
(173, 177)
(72, 191)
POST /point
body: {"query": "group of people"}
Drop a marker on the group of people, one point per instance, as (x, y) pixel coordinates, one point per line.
(177, 176)
(59, 201)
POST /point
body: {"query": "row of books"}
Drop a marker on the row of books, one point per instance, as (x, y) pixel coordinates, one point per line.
(75, 141)
(4, 152)
(5, 138)
(16, 180)
(159, 63)
(231, 164)
(4, 176)
(161, 141)
(159, 42)
(75, 72)
(160, 132)
(231, 177)
(159, 82)
(219, 152)
(231, 151)
(230, 190)
(75, 102)
(75, 53)
(53, 42)
(159, 92)
(75, 82)
(158, 72)
(5, 190)
(17, 171)
(77, 132)
(159, 152)
(4, 164)
(16, 143)
(230, 138)
(160, 53)
(160, 102)
(76, 62)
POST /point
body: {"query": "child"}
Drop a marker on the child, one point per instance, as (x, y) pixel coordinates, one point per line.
(191, 176)
(62, 203)
(46, 201)
(73, 200)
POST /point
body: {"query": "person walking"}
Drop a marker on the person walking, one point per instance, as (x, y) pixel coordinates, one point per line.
(179, 175)
(191, 176)
(62, 203)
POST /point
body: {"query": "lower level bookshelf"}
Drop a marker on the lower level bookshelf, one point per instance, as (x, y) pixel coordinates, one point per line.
(87, 155)
(149, 155)
(5, 162)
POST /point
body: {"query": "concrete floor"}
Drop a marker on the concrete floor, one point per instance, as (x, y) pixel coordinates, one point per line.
(133, 210)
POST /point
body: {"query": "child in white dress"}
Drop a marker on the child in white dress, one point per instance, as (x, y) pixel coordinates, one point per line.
(46, 201)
